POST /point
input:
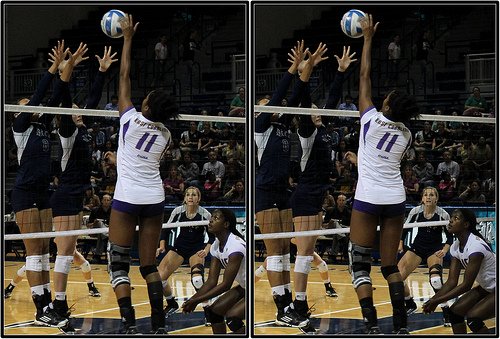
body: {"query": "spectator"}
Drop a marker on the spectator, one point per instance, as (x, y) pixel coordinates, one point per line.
(236, 195)
(99, 218)
(481, 157)
(206, 140)
(435, 123)
(190, 171)
(411, 185)
(422, 55)
(424, 138)
(173, 185)
(448, 165)
(90, 200)
(441, 138)
(161, 53)
(214, 166)
(108, 183)
(212, 187)
(455, 128)
(394, 55)
(472, 194)
(475, 104)
(446, 187)
(175, 150)
(233, 150)
(113, 104)
(189, 138)
(339, 217)
(237, 107)
(346, 122)
(328, 203)
(200, 127)
(346, 183)
(98, 136)
(424, 171)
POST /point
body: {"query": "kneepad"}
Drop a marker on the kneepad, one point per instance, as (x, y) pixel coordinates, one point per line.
(22, 271)
(286, 262)
(455, 318)
(475, 324)
(63, 264)
(197, 276)
(234, 324)
(436, 282)
(34, 263)
(323, 267)
(360, 264)
(388, 270)
(147, 270)
(46, 262)
(303, 263)
(85, 267)
(275, 263)
(259, 272)
(213, 317)
(118, 264)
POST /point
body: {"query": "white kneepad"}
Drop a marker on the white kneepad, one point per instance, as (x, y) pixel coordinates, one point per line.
(436, 282)
(259, 272)
(34, 263)
(303, 263)
(286, 262)
(197, 281)
(85, 267)
(22, 271)
(323, 267)
(46, 262)
(275, 263)
(63, 263)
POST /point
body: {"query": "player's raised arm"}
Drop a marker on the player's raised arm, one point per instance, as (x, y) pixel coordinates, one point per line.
(124, 92)
(365, 84)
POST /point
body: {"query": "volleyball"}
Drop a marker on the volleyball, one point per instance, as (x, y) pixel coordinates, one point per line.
(350, 23)
(110, 25)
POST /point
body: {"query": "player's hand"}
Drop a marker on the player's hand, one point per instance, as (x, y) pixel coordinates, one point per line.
(201, 254)
(317, 56)
(297, 55)
(110, 158)
(440, 253)
(400, 247)
(346, 59)
(429, 306)
(127, 25)
(58, 53)
(106, 60)
(160, 250)
(78, 56)
(189, 306)
(367, 26)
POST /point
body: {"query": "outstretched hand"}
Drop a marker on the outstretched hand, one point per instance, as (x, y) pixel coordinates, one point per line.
(58, 53)
(106, 60)
(346, 59)
(78, 56)
(127, 26)
(297, 55)
(317, 57)
(367, 26)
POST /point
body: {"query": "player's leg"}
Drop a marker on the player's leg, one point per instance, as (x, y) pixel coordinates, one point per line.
(323, 272)
(222, 306)
(260, 271)
(84, 265)
(435, 265)
(363, 232)
(18, 277)
(406, 265)
(286, 226)
(465, 304)
(390, 234)
(482, 310)
(170, 262)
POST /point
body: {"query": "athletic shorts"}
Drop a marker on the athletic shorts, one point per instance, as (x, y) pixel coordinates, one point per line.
(149, 210)
(386, 211)
(21, 200)
(67, 200)
(307, 199)
(186, 251)
(424, 251)
(266, 199)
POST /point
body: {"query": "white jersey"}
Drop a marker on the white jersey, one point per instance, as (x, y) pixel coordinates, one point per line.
(486, 276)
(140, 147)
(234, 244)
(382, 143)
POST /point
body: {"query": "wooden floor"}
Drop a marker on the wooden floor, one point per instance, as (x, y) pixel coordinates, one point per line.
(342, 315)
(99, 315)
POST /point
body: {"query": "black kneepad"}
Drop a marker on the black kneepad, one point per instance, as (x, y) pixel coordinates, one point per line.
(455, 318)
(212, 317)
(475, 324)
(234, 324)
(147, 270)
(388, 270)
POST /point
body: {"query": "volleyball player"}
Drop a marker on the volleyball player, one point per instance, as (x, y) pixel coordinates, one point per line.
(228, 251)
(78, 259)
(139, 197)
(272, 207)
(427, 247)
(471, 252)
(314, 180)
(189, 245)
(76, 167)
(380, 195)
(30, 195)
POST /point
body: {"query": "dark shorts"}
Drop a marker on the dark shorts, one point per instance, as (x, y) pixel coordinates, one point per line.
(386, 211)
(424, 251)
(186, 250)
(149, 210)
(266, 199)
(307, 199)
(67, 200)
(23, 200)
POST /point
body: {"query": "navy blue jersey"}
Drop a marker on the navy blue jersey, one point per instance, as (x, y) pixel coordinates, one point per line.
(273, 138)
(431, 236)
(76, 142)
(190, 236)
(33, 144)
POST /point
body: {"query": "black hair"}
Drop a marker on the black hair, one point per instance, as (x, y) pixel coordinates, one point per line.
(114, 96)
(231, 218)
(403, 106)
(162, 106)
(470, 217)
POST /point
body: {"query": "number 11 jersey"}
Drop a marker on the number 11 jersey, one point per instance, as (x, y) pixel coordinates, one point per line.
(140, 147)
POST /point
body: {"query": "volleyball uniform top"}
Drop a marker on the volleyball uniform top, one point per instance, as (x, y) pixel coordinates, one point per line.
(234, 245)
(382, 143)
(429, 236)
(33, 144)
(273, 139)
(141, 145)
(76, 142)
(190, 236)
(486, 276)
